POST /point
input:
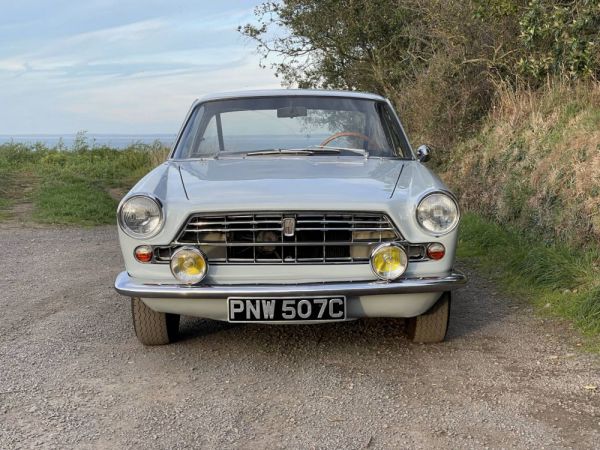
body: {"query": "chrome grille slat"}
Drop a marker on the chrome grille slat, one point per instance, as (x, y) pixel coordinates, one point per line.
(343, 229)
(319, 237)
(201, 224)
(277, 244)
(224, 230)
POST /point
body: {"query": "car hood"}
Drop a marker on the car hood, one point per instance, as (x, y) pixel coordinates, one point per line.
(289, 180)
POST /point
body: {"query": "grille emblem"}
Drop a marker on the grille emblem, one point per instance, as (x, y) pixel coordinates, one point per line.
(289, 226)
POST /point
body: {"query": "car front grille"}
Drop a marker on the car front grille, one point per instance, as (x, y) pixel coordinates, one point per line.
(287, 238)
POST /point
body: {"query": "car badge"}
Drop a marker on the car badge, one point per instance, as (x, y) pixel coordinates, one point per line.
(289, 226)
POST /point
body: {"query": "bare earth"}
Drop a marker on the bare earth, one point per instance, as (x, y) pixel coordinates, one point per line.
(72, 373)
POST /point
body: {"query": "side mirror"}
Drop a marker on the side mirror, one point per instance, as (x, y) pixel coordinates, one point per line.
(423, 153)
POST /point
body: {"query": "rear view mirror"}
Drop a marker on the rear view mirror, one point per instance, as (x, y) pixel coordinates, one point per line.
(423, 153)
(292, 111)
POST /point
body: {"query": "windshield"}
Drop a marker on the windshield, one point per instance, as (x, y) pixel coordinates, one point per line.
(296, 125)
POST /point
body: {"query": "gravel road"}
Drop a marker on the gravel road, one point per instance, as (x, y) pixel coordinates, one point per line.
(72, 374)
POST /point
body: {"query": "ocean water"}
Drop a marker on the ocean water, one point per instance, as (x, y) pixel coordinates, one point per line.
(111, 140)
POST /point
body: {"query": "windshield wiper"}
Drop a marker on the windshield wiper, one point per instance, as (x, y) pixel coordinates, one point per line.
(291, 151)
(328, 148)
(312, 150)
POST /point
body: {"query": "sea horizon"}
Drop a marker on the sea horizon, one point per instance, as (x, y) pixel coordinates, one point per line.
(115, 140)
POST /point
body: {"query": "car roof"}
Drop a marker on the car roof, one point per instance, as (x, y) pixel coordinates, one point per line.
(289, 92)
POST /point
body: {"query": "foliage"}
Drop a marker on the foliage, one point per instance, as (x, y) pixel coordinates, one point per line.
(71, 186)
(560, 38)
(536, 163)
(342, 43)
(426, 55)
(440, 62)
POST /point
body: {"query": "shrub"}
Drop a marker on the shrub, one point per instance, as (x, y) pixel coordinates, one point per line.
(560, 38)
(536, 163)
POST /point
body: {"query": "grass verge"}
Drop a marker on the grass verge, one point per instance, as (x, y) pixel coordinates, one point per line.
(70, 186)
(73, 201)
(559, 280)
(535, 164)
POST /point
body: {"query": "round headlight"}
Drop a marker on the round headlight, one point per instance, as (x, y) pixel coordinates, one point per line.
(140, 216)
(438, 213)
(389, 261)
(189, 265)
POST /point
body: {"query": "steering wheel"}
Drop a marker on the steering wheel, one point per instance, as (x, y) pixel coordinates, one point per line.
(333, 137)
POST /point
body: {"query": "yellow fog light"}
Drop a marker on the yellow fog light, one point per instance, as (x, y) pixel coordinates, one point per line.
(189, 265)
(389, 261)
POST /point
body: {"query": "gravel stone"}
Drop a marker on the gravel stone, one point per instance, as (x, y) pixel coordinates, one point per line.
(73, 375)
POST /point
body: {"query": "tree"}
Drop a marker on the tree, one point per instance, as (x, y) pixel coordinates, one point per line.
(439, 61)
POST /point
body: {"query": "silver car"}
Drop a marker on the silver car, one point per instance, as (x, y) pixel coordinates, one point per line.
(290, 206)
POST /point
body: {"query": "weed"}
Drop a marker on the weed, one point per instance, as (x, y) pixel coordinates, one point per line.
(560, 280)
(536, 163)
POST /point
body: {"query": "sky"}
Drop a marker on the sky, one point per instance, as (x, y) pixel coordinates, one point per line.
(119, 66)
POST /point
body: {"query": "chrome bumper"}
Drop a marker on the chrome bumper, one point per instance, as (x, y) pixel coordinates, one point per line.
(125, 285)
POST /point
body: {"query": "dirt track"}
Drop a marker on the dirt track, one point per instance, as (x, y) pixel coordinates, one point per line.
(73, 375)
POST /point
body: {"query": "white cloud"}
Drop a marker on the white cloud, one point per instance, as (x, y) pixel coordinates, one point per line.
(131, 72)
(155, 103)
(158, 104)
(75, 49)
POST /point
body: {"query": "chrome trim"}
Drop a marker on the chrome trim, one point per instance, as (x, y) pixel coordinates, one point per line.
(432, 192)
(158, 258)
(289, 226)
(130, 233)
(194, 250)
(378, 248)
(312, 229)
(125, 285)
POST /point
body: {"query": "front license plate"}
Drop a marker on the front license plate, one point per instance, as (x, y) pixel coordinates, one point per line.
(286, 309)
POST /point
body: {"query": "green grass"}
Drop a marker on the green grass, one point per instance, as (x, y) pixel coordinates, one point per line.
(559, 280)
(5, 185)
(73, 201)
(71, 186)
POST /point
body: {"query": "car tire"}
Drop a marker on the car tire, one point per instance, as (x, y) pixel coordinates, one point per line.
(152, 327)
(432, 326)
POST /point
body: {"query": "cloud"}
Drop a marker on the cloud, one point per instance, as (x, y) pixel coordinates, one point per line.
(158, 104)
(82, 47)
(106, 67)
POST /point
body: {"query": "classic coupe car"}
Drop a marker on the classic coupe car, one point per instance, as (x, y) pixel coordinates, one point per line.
(290, 206)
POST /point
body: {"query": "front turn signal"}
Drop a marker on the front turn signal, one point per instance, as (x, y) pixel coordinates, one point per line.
(143, 253)
(436, 251)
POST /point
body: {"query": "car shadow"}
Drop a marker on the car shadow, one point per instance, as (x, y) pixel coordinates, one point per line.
(289, 336)
(196, 328)
(474, 308)
(477, 306)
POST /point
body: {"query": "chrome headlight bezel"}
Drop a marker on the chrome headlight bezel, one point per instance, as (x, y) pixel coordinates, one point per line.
(131, 233)
(455, 223)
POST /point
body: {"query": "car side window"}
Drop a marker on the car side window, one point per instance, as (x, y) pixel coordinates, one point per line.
(185, 146)
(391, 131)
(209, 143)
